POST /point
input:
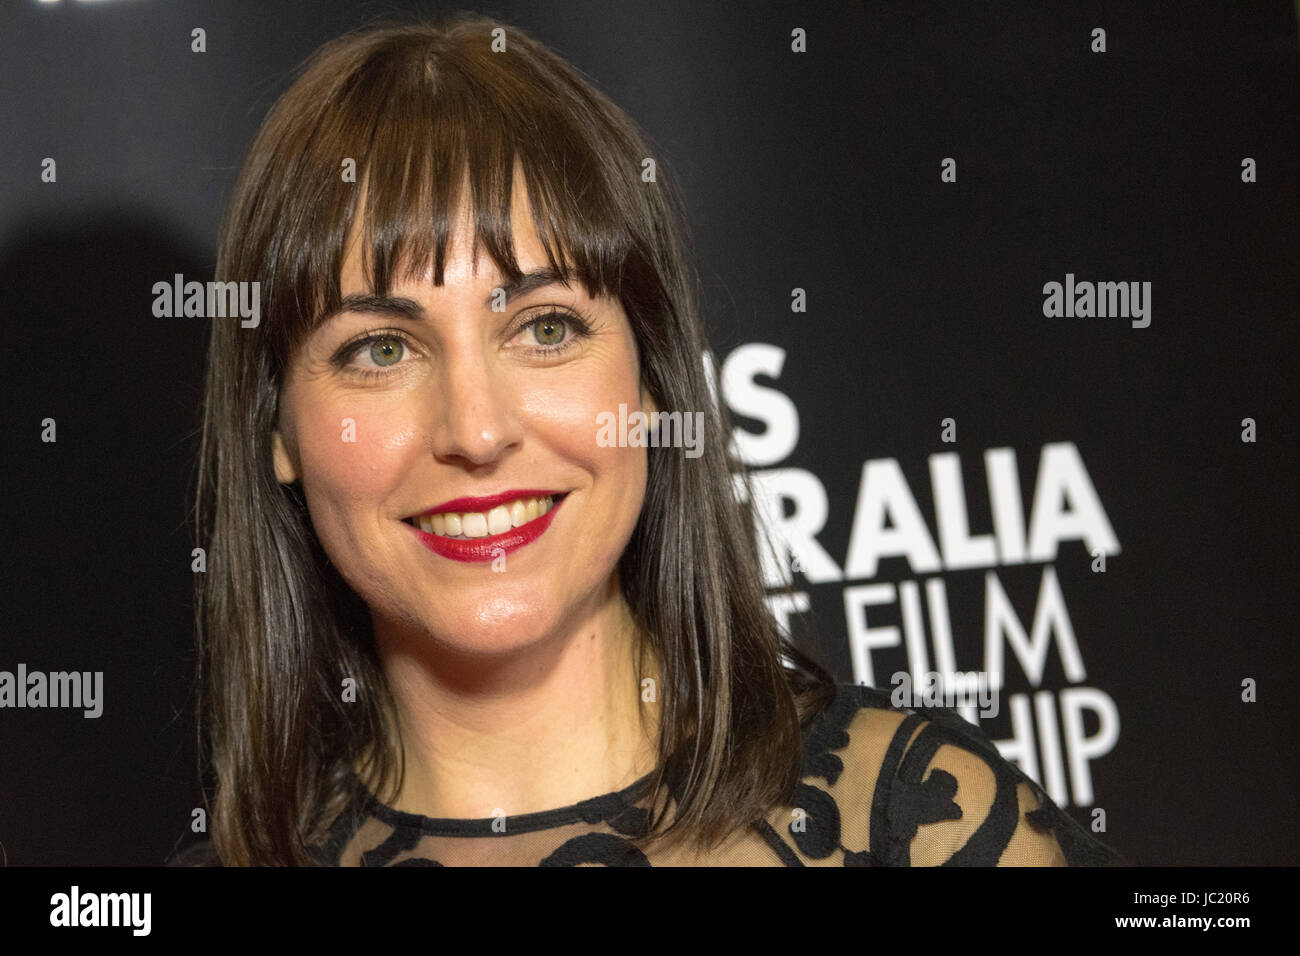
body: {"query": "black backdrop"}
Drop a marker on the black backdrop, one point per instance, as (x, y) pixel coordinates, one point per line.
(819, 171)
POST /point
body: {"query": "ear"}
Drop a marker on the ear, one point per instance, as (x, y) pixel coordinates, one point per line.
(286, 468)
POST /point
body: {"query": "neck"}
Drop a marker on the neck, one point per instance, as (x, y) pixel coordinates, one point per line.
(546, 726)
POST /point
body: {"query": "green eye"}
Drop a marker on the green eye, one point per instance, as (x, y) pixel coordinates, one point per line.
(549, 331)
(385, 352)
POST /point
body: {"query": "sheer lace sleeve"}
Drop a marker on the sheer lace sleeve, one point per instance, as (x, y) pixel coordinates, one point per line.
(944, 796)
(888, 786)
(993, 829)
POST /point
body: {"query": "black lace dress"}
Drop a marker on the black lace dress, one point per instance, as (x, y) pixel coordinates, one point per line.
(882, 786)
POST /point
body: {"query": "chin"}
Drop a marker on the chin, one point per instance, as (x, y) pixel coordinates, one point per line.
(494, 627)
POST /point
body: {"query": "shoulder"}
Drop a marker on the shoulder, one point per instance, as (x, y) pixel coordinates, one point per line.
(925, 787)
(197, 854)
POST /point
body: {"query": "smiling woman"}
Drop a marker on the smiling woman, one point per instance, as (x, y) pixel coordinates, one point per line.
(443, 622)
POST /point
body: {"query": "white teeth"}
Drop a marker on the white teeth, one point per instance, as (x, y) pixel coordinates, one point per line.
(481, 524)
(498, 521)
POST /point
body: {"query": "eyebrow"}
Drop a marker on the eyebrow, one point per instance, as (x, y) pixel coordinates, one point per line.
(410, 309)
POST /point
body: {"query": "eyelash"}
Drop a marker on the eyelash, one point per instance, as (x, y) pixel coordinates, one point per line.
(577, 324)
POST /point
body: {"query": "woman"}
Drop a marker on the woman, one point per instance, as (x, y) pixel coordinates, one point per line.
(445, 620)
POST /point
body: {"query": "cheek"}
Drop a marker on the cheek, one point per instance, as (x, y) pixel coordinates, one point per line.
(569, 415)
(571, 401)
(618, 495)
(353, 455)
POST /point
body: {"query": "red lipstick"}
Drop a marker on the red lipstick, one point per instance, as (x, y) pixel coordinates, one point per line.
(490, 547)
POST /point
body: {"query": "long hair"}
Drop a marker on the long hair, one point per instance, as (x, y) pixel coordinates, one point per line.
(422, 109)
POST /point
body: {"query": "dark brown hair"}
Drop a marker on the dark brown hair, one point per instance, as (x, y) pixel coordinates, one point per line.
(423, 108)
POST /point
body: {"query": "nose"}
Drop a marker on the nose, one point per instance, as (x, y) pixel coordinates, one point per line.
(475, 415)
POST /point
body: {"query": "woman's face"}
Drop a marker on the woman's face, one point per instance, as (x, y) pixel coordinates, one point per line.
(453, 400)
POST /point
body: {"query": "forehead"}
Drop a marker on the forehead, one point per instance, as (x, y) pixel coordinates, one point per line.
(464, 264)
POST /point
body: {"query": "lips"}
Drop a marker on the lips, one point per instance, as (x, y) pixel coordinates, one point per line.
(511, 520)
